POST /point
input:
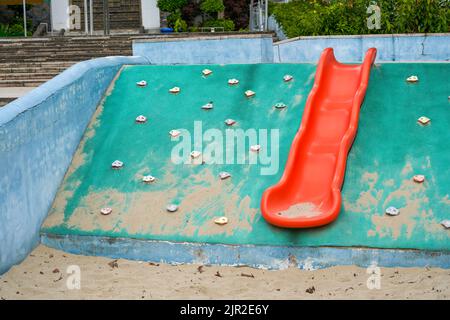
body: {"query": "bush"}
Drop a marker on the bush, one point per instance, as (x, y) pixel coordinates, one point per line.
(171, 5)
(226, 24)
(212, 6)
(339, 17)
(238, 11)
(13, 30)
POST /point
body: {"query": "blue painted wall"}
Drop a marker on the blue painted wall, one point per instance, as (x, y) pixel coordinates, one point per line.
(270, 257)
(39, 134)
(206, 50)
(414, 47)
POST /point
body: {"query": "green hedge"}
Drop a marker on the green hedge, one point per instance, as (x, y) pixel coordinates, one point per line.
(226, 24)
(339, 17)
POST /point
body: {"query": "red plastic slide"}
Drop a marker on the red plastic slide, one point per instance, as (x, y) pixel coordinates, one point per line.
(309, 192)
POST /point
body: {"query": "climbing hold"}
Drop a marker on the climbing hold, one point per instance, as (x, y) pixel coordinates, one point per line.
(195, 154)
(446, 224)
(174, 90)
(221, 221)
(148, 179)
(419, 178)
(287, 78)
(412, 79)
(230, 122)
(117, 164)
(105, 211)
(206, 72)
(142, 83)
(172, 207)
(424, 120)
(233, 81)
(141, 119)
(208, 106)
(249, 93)
(174, 133)
(255, 148)
(392, 211)
(224, 175)
(280, 105)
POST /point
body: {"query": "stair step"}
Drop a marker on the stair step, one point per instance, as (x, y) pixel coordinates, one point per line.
(27, 76)
(22, 83)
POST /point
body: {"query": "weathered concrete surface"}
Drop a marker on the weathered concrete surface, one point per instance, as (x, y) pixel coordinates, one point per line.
(267, 257)
(397, 47)
(39, 133)
(247, 48)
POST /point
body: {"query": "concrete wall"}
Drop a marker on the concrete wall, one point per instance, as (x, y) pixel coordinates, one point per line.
(39, 134)
(150, 14)
(414, 47)
(59, 14)
(245, 48)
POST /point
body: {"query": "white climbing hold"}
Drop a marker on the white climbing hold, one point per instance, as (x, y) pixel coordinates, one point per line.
(174, 90)
(249, 93)
(287, 78)
(392, 211)
(208, 106)
(255, 148)
(117, 164)
(105, 211)
(142, 83)
(419, 178)
(172, 207)
(412, 79)
(230, 122)
(206, 72)
(224, 175)
(233, 81)
(148, 179)
(195, 154)
(141, 119)
(446, 224)
(280, 105)
(424, 120)
(174, 133)
(221, 221)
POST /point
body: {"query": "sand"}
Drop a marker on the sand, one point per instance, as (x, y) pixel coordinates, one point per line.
(301, 210)
(43, 276)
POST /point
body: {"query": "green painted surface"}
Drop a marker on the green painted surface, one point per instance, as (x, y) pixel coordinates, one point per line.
(389, 150)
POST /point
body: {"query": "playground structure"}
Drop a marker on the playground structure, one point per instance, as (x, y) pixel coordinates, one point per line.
(308, 194)
(98, 103)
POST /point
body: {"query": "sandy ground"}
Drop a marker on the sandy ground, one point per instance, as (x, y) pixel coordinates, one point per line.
(43, 276)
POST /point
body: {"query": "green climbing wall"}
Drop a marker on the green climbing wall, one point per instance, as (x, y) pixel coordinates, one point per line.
(390, 148)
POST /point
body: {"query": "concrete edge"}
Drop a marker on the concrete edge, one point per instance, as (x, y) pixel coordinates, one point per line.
(256, 256)
(203, 37)
(62, 80)
(361, 36)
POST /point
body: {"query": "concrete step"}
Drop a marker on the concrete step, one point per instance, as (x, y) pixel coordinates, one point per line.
(52, 64)
(19, 70)
(26, 76)
(5, 101)
(22, 83)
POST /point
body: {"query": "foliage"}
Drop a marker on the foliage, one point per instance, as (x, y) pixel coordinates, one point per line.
(338, 17)
(13, 30)
(238, 11)
(171, 5)
(226, 24)
(190, 11)
(212, 6)
(180, 25)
